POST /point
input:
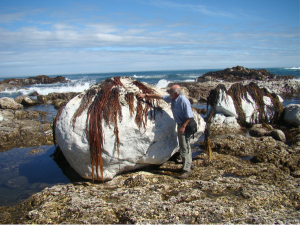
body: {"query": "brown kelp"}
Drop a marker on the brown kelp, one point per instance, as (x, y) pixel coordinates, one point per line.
(141, 113)
(104, 98)
(129, 97)
(84, 104)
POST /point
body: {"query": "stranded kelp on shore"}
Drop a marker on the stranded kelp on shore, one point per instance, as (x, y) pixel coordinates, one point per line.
(238, 92)
(102, 103)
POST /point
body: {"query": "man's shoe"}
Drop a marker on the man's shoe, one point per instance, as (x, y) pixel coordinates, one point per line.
(185, 175)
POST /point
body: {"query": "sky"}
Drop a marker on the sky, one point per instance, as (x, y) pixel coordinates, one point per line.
(94, 36)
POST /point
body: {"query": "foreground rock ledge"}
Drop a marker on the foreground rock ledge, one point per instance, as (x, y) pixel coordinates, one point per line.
(227, 190)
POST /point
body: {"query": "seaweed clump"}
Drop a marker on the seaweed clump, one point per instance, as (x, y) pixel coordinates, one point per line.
(141, 113)
(106, 106)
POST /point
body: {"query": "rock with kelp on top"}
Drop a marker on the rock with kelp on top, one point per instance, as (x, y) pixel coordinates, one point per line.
(249, 104)
(105, 130)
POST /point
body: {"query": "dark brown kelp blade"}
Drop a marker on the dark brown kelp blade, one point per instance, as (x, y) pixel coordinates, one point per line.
(94, 132)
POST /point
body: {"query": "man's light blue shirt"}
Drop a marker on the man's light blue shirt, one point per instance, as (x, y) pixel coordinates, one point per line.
(181, 108)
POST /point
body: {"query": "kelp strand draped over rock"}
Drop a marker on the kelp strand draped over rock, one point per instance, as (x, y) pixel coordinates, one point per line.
(85, 102)
(94, 131)
(129, 97)
(141, 114)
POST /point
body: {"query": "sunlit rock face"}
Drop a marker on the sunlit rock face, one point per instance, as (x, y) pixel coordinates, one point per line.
(153, 143)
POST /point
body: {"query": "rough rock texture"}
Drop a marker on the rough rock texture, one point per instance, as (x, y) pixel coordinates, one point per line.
(57, 99)
(292, 114)
(21, 128)
(260, 130)
(227, 190)
(26, 101)
(220, 124)
(9, 103)
(41, 79)
(138, 146)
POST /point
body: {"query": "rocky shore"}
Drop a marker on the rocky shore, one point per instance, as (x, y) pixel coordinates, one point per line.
(254, 176)
(9, 84)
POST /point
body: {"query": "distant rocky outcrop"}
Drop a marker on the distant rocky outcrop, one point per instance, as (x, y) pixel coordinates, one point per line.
(107, 126)
(41, 79)
(240, 73)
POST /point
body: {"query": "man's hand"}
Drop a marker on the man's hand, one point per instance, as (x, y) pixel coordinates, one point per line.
(141, 96)
(182, 129)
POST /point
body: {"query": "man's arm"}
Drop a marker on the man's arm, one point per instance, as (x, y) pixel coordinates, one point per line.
(142, 96)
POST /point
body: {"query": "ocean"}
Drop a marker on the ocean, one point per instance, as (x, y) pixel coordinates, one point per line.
(81, 82)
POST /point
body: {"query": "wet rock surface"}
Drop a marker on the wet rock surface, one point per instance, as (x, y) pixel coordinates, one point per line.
(24, 128)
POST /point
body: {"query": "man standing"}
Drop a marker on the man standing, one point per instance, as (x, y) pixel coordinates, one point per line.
(182, 113)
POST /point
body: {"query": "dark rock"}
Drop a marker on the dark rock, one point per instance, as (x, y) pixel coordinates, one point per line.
(34, 94)
(278, 135)
(51, 97)
(41, 79)
(240, 73)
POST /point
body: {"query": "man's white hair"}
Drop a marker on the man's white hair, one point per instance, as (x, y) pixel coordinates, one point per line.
(178, 91)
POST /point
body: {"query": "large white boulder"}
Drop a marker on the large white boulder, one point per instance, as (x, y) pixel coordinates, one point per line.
(138, 147)
(292, 114)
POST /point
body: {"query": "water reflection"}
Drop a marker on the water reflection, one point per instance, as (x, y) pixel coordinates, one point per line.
(25, 171)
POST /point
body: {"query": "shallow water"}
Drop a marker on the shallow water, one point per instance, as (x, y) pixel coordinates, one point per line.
(25, 171)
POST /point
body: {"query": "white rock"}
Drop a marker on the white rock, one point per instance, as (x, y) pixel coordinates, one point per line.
(249, 108)
(280, 99)
(225, 105)
(292, 114)
(138, 148)
(218, 119)
(1, 118)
